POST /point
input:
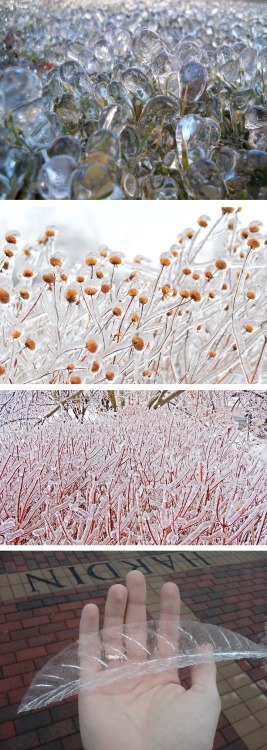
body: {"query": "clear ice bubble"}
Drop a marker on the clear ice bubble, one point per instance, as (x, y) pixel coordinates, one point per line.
(19, 87)
(146, 44)
(192, 79)
(54, 179)
(94, 182)
(196, 135)
(203, 178)
(104, 140)
(64, 144)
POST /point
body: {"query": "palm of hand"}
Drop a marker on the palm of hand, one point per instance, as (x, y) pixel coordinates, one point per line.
(153, 712)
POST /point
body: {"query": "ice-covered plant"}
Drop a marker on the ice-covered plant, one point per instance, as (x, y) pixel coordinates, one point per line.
(200, 317)
(141, 100)
(189, 473)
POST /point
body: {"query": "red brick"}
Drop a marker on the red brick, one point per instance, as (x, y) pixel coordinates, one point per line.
(8, 730)
(15, 696)
(38, 620)
(66, 606)
(39, 640)
(219, 741)
(73, 623)
(7, 627)
(72, 743)
(19, 668)
(61, 616)
(30, 653)
(8, 658)
(56, 731)
(10, 683)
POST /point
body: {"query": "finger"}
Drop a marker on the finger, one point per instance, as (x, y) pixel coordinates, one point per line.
(114, 619)
(89, 644)
(169, 619)
(203, 676)
(135, 617)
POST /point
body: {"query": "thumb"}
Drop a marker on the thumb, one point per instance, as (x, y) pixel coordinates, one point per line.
(203, 676)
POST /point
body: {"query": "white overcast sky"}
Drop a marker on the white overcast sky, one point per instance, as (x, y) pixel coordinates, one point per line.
(146, 227)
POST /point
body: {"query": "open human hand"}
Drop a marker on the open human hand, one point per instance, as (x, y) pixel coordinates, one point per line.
(153, 712)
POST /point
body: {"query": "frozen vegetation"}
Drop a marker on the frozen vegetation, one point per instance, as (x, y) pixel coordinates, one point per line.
(144, 100)
(111, 468)
(200, 316)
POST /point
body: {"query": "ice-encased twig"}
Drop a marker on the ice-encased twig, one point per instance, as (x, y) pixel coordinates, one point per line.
(84, 666)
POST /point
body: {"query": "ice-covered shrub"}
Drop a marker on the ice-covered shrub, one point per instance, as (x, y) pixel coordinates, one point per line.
(200, 317)
(179, 476)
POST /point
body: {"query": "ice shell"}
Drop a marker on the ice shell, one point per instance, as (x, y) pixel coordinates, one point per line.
(196, 135)
(192, 79)
(203, 179)
(20, 86)
(146, 44)
(55, 177)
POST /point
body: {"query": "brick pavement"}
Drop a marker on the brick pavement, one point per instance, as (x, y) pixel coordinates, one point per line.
(43, 595)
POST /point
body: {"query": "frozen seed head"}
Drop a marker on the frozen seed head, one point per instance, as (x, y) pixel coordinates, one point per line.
(75, 379)
(27, 252)
(213, 353)
(209, 275)
(255, 226)
(135, 318)
(27, 273)
(203, 221)
(2, 370)
(186, 271)
(56, 261)
(132, 291)
(227, 210)
(105, 288)
(80, 279)
(195, 295)
(190, 233)
(166, 259)
(184, 293)
(91, 260)
(143, 299)
(166, 290)
(115, 259)
(70, 366)
(138, 343)
(11, 238)
(90, 291)
(15, 333)
(24, 294)
(212, 295)
(71, 295)
(250, 294)
(234, 347)
(117, 311)
(30, 344)
(50, 232)
(147, 373)
(196, 276)
(49, 278)
(99, 274)
(8, 252)
(4, 296)
(95, 366)
(248, 328)
(6, 265)
(63, 277)
(220, 264)
(110, 375)
(91, 346)
(253, 242)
